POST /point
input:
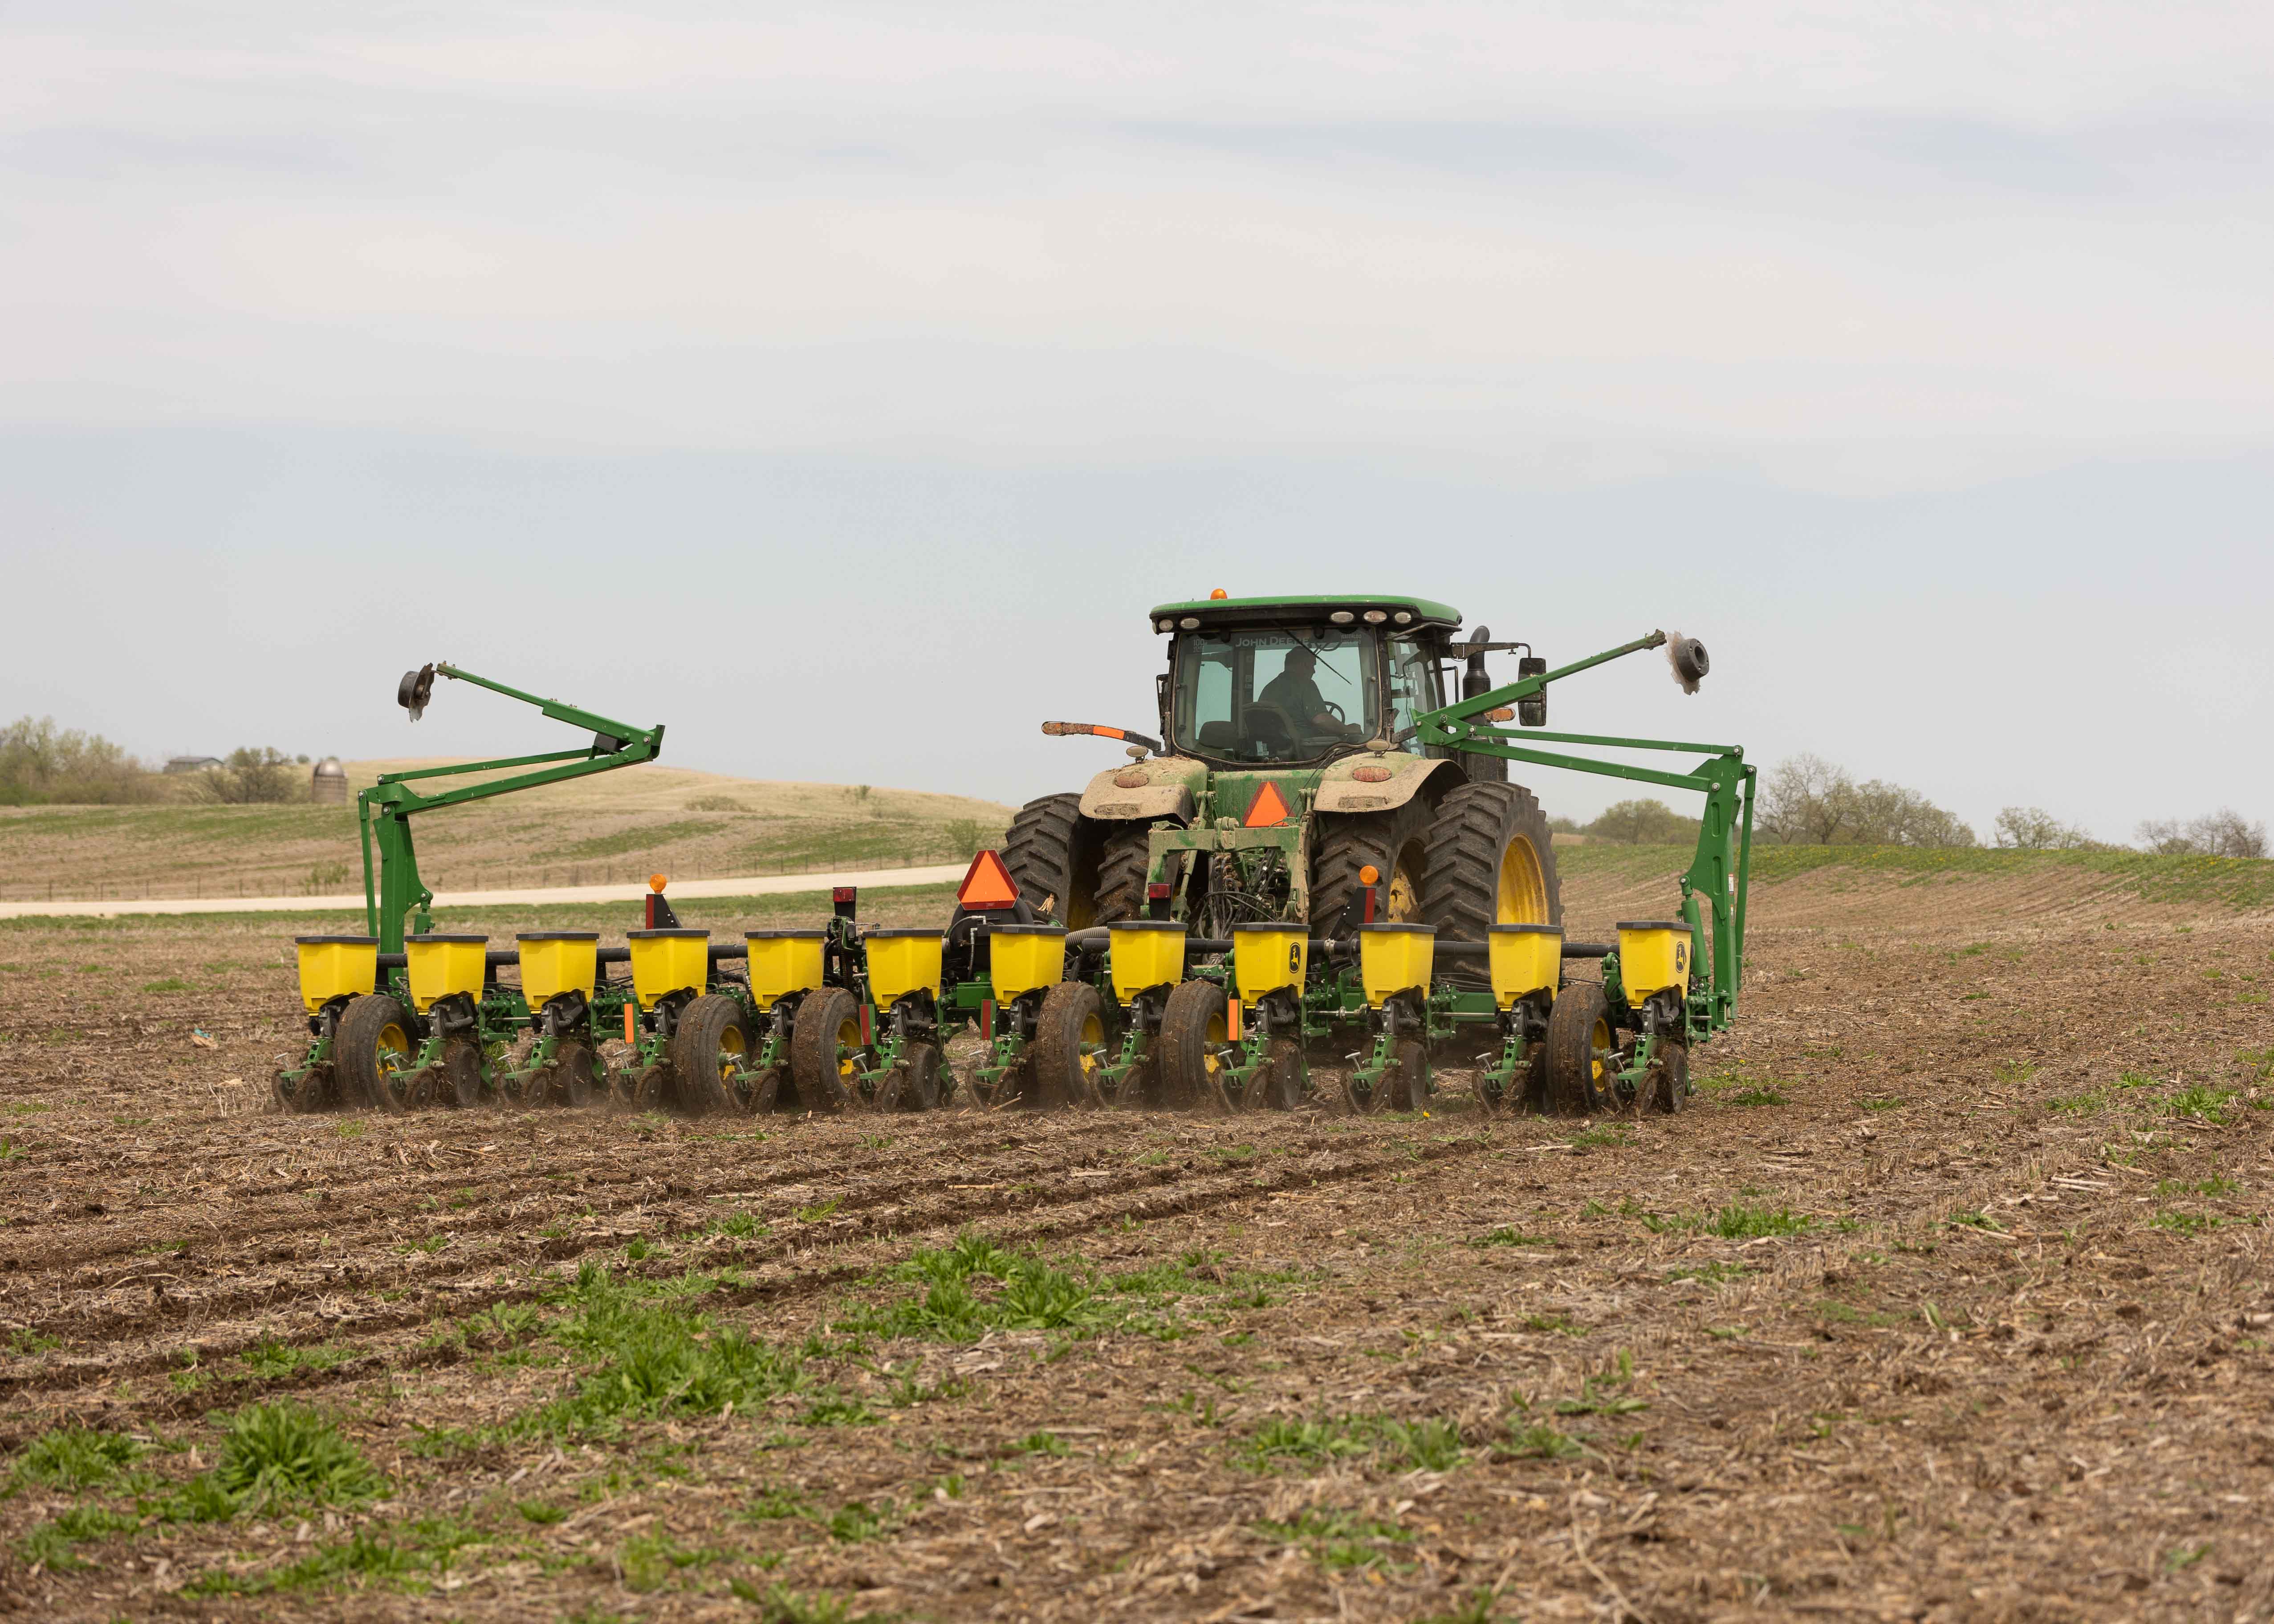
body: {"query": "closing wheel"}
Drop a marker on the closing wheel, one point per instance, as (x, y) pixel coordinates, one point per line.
(1192, 1032)
(1666, 1085)
(374, 1045)
(919, 1088)
(825, 1050)
(1280, 1085)
(576, 1081)
(709, 1047)
(461, 1074)
(1413, 1086)
(1579, 1059)
(1069, 1048)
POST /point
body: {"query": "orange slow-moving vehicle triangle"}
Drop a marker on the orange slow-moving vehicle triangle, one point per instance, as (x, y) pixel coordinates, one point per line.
(1268, 807)
(987, 885)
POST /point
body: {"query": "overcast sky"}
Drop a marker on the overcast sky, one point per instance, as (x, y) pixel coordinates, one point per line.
(842, 386)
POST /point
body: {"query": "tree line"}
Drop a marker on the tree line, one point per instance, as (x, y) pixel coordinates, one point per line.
(43, 765)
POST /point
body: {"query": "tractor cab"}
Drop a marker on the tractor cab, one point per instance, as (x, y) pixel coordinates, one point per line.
(1298, 682)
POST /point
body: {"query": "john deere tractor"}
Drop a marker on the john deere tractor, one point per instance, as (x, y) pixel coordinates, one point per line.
(1290, 782)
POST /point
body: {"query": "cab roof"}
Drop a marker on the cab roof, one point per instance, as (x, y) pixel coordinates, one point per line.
(1306, 611)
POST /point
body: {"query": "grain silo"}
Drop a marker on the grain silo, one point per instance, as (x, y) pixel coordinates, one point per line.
(328, 787)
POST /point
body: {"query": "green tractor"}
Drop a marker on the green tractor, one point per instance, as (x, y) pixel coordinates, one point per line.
(1316, 786)
(1291, 763)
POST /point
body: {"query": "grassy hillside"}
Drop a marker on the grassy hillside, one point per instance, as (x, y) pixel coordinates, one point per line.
(2240, 883)
(612, 827)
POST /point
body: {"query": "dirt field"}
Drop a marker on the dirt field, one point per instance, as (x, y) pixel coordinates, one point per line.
(1949, 1298)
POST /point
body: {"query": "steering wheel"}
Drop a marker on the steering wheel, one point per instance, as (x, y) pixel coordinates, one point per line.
(1335, 711)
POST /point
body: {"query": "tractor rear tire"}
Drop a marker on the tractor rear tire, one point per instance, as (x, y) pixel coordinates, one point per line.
(713, 1041)
(1126, 855)
(1394, 843)
(1052, 854)
(1193, 1027)
(1579, 1052)
(372, 1021)
(1069, 1036)
(827, 1036)
(1491, 862)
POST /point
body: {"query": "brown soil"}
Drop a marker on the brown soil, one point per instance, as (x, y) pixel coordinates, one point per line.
(1989, 1335)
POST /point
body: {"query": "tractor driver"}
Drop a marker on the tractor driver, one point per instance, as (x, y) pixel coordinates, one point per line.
(1296, 697)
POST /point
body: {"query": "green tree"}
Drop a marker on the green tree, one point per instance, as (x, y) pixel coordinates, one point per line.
(43, 764)
(1643, 822)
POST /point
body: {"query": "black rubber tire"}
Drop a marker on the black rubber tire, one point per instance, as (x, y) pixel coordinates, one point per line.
(1666, 1085)
(1053, 852)
(1415, 1086)
(1574, 1055)
(461, 1074)
(1460, 890)
(1343, 842)
(312, 1093)
(576, 1081)
(710, 1030)
(1281, 1085)
(828, 1032)
(356, 1050)
(1141, 1089)
(765, 1092)
(1192, 1027)
(1125, 857)
(920, 1088)
(1069, 1031)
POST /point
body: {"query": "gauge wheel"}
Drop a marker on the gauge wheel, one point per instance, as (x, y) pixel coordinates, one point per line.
(709, 1050)
(825, 1051)
(1194, 1028)
(1579, 1052)
(374, 1046)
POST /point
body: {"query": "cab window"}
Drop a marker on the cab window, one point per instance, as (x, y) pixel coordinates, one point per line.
(1293, 696)
(1414, 687)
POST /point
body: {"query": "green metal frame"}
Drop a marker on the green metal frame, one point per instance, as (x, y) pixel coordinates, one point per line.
(1722, 866)
(384, 811)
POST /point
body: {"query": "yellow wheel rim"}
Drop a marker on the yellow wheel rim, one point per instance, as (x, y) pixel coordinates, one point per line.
(732, 1050)
(848, 1038)
(1405, 885)
(1093, 1039)
(1522, 890)
(394, 1047)
(1599, 1042)
(1217, 1037)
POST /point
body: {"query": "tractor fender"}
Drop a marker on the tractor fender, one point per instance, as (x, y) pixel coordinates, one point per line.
(1341, 790)
(1164, 786)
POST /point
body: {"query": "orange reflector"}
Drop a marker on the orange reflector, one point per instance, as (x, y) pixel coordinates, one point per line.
(630, 1036)
(987, 885)
(1268, 808)
(656, 882)
(1231, 1019)
(1368, 875)
(1218, 594)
